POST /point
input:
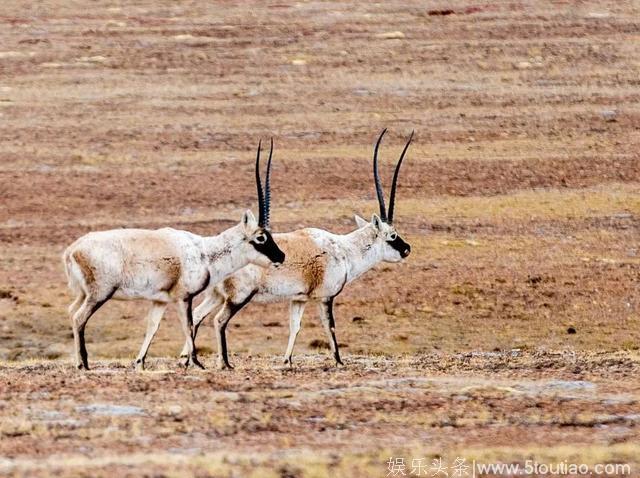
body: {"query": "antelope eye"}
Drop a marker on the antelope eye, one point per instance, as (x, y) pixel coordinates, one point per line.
(261, 239)
(393, 236)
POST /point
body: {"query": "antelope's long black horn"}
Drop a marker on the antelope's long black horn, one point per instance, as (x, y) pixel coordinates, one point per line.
(376, 178)
(267, 189)
(394, 184)
(259, 188)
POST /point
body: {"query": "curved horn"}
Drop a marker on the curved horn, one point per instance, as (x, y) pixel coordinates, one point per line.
(267, 189)
(259, 188)
(376, 178)
(394, 184)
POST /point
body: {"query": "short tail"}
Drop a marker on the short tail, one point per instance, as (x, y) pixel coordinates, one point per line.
(72, 272)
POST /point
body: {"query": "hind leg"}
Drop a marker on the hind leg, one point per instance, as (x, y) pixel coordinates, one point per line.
(79, 321)
(186, 320)
(201, 312)
(76, 303)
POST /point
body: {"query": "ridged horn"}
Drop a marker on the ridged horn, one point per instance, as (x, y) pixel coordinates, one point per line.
(394, 184)
(376, 178)
(259, 188)
(267, 189)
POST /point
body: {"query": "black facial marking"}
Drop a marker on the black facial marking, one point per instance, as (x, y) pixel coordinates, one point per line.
(269, 248)
(399, 245)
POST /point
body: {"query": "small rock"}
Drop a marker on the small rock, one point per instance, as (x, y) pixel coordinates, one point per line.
(186, 37)
(298, 62)
(571, 330)
(110, 410)
(397, 35)
(523, 65)
(11, 54)
(191, 40)
(609, 115)
(358, 319)
(93, 59)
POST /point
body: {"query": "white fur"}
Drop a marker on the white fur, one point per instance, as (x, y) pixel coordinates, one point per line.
(346, 257)
(163, 266)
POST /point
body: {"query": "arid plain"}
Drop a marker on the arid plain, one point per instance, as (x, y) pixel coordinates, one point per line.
(511, 332)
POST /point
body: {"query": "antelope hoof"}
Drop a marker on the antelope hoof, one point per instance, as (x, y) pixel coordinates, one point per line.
(339, 362)
(138, 365)
(193, 361)
(288, 361)
(81, 366)
(224, 365)
(198, 364)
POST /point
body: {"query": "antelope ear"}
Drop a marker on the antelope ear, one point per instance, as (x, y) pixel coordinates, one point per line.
(359, 221)
(249, 222)
(376, 221)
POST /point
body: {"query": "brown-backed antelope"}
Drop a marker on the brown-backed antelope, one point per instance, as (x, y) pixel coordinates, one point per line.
(319, 265)
(163, 266)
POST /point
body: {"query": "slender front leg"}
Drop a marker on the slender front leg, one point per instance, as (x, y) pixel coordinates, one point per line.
(222, 318)
(210, 302)
(186, 320)
(296, 309)
(328, 322)
(153, 322)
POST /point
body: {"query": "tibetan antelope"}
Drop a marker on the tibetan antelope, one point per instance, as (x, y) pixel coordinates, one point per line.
(319, 265)
(163, 266)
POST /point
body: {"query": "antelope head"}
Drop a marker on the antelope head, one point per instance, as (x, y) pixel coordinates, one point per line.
(262, 249)
(394, 248)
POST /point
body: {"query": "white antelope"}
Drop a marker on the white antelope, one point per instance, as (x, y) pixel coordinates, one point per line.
(163, 266)
(319, 265)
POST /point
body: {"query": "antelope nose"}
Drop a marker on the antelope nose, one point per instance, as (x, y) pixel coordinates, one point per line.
(406, 252)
